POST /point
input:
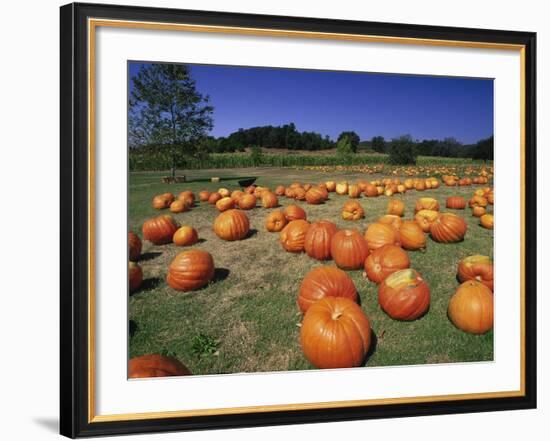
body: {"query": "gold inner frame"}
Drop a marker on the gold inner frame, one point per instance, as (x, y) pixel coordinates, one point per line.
(92, 25)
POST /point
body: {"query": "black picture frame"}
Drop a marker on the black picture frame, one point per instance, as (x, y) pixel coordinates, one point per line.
(74, 412)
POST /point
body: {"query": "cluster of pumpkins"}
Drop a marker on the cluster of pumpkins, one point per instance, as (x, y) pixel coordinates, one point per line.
(335, 332)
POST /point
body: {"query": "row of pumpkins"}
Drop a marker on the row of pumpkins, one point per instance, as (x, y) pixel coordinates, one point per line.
(335, 332)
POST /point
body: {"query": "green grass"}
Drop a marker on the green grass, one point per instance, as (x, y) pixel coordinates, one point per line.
(247, 319)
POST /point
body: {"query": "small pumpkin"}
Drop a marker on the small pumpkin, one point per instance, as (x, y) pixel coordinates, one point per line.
(456, 203)
(169, 197)
(425, 218)
(190, 270)
(315, 196)
(476, 267)
(325, 281)
(478, 211)
(299, 193)
(377, 235)
(155, 365)
(276, 221)
(448, 228)
(135, 276)
(236, 195)
(293, 235)
(331, 186)
(487, 221)
(294, 212)
(160, 202)
(385, 261)
(342, 188)
(204, 195)
(396, 207)
(187, 197)
(225, 192)
(371, 190)
(134, 246)
(349, 249)
(471, 308)
(280, 190)
(352, 210)
(269, 200)
(411, 236)
(185, 236)
(214, 197)
(160, 229)
(178, 206)
(335, 333)
(478, 201)
(318, 239)
(247, 202)
(354, 191)
(404, 295)
(224, 204)
(231, 225)
(426, 204)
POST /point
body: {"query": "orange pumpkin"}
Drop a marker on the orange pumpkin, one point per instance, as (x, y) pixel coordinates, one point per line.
(187, 197)
(214, 197)
(335, 333)
(204, 195)
(185, 236)
(456, 203)
(352, 210)
(396, 207)
(225, 192)
(354, 191)
(391, 219)
(276, 221)
(269, 200)
(236, 195)
(404, 295)
(349, 249)
(315, 196)
(280, 190)
(420, 185)
(325, 281)
(190, 270)
(247, 202)
(134, 246)
(160, 229)
(487, 221)
(385, 261)
(135, 276)
(471, 308)
(293, 212)
(224, 204)
(371, 191)
(169, 197)
(478, 201)
(293, 236)
(342, 188)
(231, 225)
(477, 267)
(478, 211)
(448, 228)
(331, 186)
(377, 235)
(299, 194)
(426, 204)
(318, 239)
(160, 202)
(155, 365)
(425, 218)
(178, 206)
(411, 236)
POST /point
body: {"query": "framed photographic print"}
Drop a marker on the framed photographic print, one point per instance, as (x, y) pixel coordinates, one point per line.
(273, 220)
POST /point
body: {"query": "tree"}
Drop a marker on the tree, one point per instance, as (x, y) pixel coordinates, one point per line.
(343, 146)
(166, 109)
(378, 144)
(484, 149)
(353, 139)
(401, 151)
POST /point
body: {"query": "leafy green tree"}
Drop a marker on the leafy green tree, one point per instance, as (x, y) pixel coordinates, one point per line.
(484, 149)
(344, 147)
(166, 109)
(378, 144)
(256, 155)
(353, 139)
(401, 151)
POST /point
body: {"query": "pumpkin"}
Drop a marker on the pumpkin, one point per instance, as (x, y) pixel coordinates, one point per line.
(491, 198)
(352, 210)
(155, 365)
(477, 267)
(349, 249)
(325, 281)
(187, 197)
(448, 228)
(464, 182)
(134, 246)
(315, 196)
(231, 225)
(247, 202)
(471, 308)
(354, 191)
(224, 204)
(335, 333)
(377, 235)
(178, 206)
(299, 194)
(404, 295)
(426, 204)
(385, 261)
(236, 195)
(185, 236)
(280, 190)
(478, 211)
(487, 221)
(214, 197)
(289, 192)
(190, 270)
(169, 197)
(293, 235)
(250, 189)
(276, 221)
(371, 191)
(342, 188)
(425, 218)
(456, 203)
(269, 200)
(293, 212)
(391, 219)
(160, 202)
(307, 187)
(331, 186)
(135, 276)
(420, 185)
(409, 184)
(396, 207)
(478, 201)
(411, 236)
(204, 195)
(225, 192)
(160, 229)
(318, 239)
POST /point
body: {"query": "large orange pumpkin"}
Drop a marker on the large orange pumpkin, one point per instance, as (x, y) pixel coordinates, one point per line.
(385, 261)
(352, 210)
(160, 202)
(315, 196)
(377, 235)
(396, 207)
(159, 229)
(318, 239)
(325, 281)
(155, 365)
(477, 267)
(232, 225)
(426, 204)
(448, 228)
(411, 236)
(471, 308)
(335, 333)
(190, 270)
(456, 202)
(276, 221)
(299, 193)
(404, 295)
(134, 246)
(293, 235)
(391, 219)
(370, 190)
(269, 200)
(425, 218)
(187, 197)
(487, 221)
(185, 236)
(293, 212)
(247, 202)
(349, 249)
(135, 276)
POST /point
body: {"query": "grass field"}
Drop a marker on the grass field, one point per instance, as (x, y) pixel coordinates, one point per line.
(247, 320)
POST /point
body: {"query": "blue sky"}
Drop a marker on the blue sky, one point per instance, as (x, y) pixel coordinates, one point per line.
(390, 105)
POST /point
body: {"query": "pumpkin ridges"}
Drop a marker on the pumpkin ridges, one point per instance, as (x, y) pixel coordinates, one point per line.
(322, 282)
(293, 235)
(384, 261)
(318, 239)
(471, 308)
(404, 295)
(349, 249)
(232, 225)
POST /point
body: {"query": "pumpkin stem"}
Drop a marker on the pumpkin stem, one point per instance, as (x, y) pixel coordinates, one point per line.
(336, 315)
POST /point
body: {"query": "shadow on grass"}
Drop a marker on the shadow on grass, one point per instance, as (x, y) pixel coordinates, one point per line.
(147, 285)
(149, 256)
(132, 328)
(220, 274)
(372, 348)
(251, 233)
